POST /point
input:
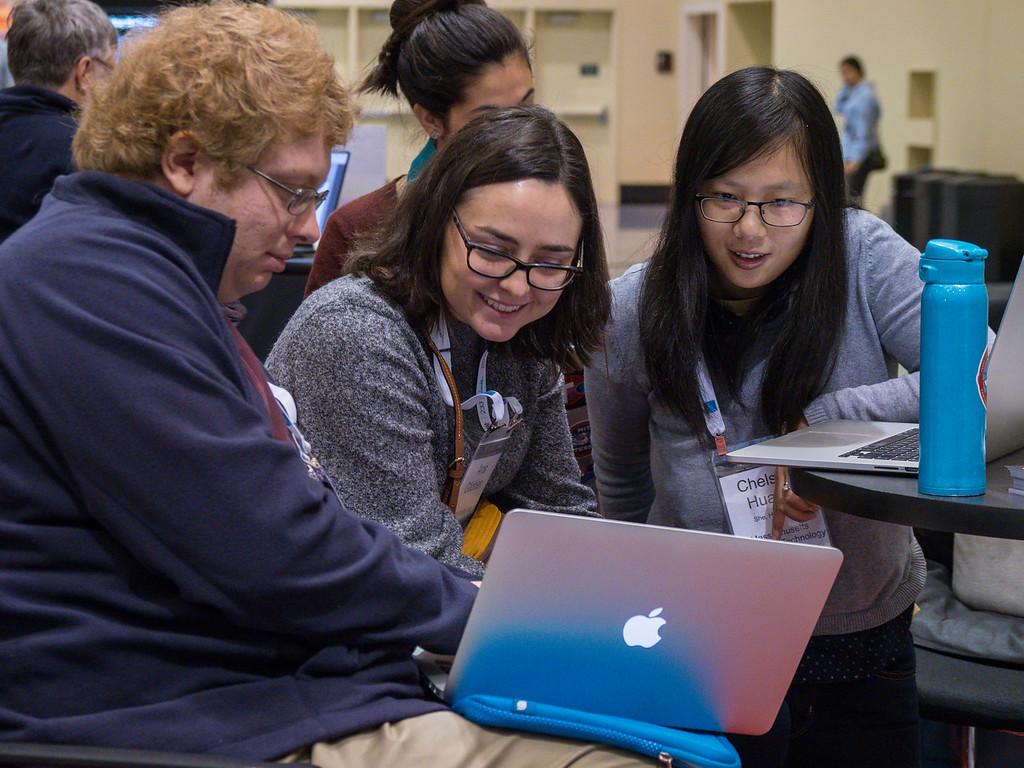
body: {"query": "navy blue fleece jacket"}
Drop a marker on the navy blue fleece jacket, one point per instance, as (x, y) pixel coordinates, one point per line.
(36, 129)
(170, 575)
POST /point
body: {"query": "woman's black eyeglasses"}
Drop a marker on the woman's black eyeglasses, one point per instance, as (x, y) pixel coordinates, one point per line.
(774, 213)
(488, 261)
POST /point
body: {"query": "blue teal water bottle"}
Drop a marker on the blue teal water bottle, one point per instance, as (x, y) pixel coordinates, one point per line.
(954, 338)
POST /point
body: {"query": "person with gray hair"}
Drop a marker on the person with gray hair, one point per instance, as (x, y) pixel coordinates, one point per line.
(57, 50)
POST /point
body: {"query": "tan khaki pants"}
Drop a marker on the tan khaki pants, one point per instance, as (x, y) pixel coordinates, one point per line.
(446, 740)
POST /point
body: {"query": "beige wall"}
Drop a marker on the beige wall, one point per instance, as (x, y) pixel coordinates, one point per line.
(1002, 123)
(973, 49)
(648, 128)
(971, 46)
(893, 38)
(748, 34)
(644, 122)
(643, 128)
(586, 103)
(633, 142)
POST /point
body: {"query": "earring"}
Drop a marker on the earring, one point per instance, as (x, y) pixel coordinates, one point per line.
(435, 135)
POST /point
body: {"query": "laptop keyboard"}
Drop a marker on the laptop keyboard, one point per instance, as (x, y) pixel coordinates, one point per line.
(901, 447)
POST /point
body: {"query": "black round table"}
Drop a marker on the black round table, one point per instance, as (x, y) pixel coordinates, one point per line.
(894, 499)
(965, 691)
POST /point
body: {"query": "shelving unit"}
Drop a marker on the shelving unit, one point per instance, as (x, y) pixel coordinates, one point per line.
(921, 118)
(921, 92)
(918, 157)
(574, 48)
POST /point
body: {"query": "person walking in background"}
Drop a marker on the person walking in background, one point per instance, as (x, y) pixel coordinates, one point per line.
(57, 51)
(859, 106)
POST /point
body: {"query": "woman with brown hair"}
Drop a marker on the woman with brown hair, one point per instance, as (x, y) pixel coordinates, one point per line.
(488, 281)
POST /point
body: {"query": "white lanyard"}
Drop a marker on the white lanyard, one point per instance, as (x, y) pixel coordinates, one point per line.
(505, 410)
(748, 494)
(286, 403)
(712, 413)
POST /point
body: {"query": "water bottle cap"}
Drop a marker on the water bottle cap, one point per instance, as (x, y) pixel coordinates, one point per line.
(954, 250)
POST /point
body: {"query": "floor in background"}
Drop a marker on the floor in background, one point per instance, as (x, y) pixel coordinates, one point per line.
(630, 232)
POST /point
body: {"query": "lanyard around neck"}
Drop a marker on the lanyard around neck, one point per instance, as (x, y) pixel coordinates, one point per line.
(505, 410)
(712, 413)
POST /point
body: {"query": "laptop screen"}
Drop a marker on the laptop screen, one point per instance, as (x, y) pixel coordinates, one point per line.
(335, 177)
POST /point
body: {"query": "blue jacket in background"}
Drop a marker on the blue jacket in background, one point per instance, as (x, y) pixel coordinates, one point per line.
(36, 129)
(860, 110)
(171, 576)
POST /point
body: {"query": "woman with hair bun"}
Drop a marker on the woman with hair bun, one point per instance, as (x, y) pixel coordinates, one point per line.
(450, 59)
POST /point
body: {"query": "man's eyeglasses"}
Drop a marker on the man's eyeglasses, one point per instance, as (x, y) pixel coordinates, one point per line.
(300, 200)
(774, 213)
(488, 261)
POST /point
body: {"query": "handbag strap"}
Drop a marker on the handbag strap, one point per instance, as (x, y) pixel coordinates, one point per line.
(450, 494)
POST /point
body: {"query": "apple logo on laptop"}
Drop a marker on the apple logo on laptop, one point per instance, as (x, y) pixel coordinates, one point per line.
(644, 630)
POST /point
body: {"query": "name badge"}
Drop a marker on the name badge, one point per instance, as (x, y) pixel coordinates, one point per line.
(749, 497)
(481, 467)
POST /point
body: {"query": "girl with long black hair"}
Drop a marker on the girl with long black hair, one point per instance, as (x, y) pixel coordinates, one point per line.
(771, 298)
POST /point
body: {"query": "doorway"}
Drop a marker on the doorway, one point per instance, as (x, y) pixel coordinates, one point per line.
(702, 45)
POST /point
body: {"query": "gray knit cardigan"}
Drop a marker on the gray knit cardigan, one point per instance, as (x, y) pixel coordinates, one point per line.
(371, 407)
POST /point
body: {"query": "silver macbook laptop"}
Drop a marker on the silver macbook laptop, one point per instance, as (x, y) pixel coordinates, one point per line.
(876, 446)
(663, 625)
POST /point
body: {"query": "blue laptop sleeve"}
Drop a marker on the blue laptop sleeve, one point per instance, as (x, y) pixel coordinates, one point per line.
(669, 746)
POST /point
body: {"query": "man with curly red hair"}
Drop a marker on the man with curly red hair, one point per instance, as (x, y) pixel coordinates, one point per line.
(176, 570)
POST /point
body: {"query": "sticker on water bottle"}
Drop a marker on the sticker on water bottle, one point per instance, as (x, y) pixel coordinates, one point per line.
(983, 378)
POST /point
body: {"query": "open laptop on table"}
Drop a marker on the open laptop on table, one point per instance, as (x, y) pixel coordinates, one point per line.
(878, 446)
(680, 628)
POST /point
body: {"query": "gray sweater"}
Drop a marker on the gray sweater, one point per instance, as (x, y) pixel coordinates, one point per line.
(650, 466)
(370, 405)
